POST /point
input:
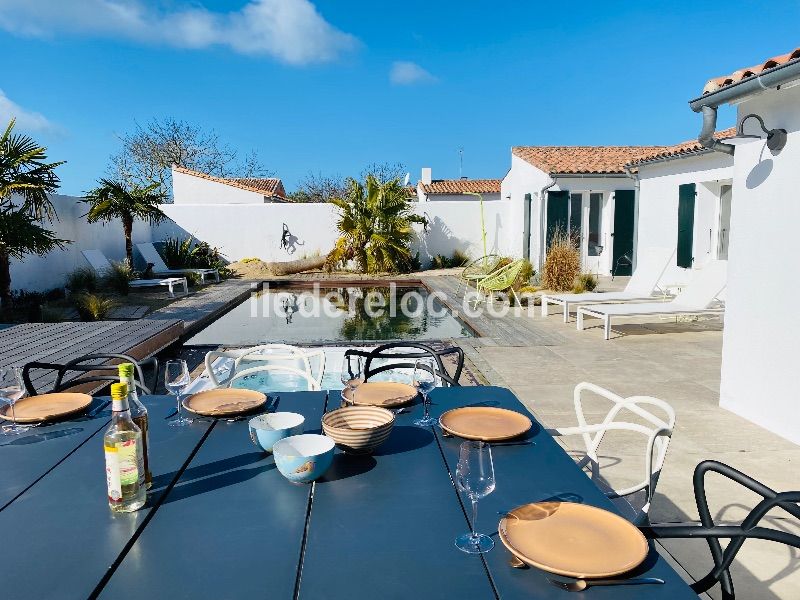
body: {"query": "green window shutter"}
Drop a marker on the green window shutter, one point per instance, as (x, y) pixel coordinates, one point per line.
(686, 196)
(557, 213)
(623, 234)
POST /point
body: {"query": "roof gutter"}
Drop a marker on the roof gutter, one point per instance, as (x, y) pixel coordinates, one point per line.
(542, 224)
(708, 104)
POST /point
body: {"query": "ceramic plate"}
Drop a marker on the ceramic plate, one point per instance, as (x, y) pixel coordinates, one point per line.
(224, 402)
(484, 423)
(381, 393)
(46, 407)
(574, 540)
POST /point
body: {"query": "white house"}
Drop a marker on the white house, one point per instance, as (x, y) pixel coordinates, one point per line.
(582, 190)
(193, 187)
(684, 203)
(760, 340)
(432, 190)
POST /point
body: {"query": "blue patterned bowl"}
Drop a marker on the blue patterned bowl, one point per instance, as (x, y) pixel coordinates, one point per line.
(267, 429)
(303, 458)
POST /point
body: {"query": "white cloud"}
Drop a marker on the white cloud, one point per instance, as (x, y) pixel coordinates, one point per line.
(292, 31)
(28, 120)
(408, 73)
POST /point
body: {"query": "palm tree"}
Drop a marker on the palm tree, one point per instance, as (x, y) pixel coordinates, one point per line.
(375, 223)
(26, 179)
(113, 200)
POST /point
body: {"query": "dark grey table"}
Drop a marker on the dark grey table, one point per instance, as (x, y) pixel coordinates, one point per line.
(221, 522)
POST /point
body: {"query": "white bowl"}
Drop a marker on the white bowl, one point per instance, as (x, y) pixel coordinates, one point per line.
(269, 428)
(303, 458)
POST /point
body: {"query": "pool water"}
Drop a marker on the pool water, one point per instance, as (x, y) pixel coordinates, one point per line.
(311, 316)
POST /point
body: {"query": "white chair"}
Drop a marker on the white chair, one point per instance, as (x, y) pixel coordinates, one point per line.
(650, 266)
(700, 297)
(310, 361)
(151, 255)
(311, 384)
(102, 266)
(658, 433)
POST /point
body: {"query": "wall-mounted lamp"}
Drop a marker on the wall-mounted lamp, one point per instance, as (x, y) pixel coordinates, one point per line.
(776, 138)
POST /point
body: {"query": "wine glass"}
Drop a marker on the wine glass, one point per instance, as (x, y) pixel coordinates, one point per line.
(475, 477)
(352, 373)
(11, 390)
(176, 379)
(425, 378)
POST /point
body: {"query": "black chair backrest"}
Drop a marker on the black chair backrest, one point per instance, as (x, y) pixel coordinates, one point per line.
(737, 534)
(406, 359)
(100, 363)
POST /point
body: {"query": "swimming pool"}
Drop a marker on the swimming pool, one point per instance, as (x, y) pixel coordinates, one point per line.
(312, 315)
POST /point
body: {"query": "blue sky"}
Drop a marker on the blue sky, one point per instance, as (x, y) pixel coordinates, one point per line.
(333, 85)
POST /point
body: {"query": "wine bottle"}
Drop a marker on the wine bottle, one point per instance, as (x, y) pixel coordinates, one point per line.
(122, 442)
(139, 416)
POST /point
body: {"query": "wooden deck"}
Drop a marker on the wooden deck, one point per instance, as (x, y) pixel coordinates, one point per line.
(62, 342)
(199, 309)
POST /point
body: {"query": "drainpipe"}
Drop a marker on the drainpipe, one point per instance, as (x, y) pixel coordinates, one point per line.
(542, 222)
(706, 137)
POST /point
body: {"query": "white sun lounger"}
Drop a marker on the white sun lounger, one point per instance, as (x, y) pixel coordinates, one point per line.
(102, 266)
(151, 255)
(650, 266)
(698, 298)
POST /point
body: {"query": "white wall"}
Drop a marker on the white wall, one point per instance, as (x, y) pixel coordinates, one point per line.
(658, 206)
(523, 178)
(189, 189)
(245, 231)
(44, 273)
(760, 341)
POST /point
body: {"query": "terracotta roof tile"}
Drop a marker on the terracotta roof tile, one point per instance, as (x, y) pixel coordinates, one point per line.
(684, 148)
(462, 186)
(583, 159)
(718, 83)
(268, 186)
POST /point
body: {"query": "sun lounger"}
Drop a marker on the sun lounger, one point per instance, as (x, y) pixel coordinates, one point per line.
(650, 266)
(102, 266)
(151, 255)
(699, 297)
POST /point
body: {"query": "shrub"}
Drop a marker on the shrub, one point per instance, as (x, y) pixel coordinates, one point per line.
(93, 307)
(525, 275)
(118, 278)
(526, 295)
(459, 258)
(586, 282)
(562, 264)
(440, 262)
(186, 254)
(83, 279)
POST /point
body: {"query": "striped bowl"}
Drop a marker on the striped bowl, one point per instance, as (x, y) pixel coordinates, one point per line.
(358, 429)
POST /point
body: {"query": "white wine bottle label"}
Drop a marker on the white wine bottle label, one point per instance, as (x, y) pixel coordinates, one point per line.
(129, 457)
(113, 479)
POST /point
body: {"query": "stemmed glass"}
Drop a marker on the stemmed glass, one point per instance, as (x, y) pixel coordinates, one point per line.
(425, 379)
(11, 390)
(475, 477)
(176, 379)
(352, 373)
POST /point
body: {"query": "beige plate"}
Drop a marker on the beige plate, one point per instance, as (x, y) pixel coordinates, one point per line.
(224, 402)
(484, 423)
(381, 393)
(574, 540)
(46, 407)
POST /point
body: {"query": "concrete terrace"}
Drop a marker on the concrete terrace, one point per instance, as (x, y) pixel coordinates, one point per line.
(678, 362)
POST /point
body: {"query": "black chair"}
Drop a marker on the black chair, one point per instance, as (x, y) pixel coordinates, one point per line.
(737, 534)
(423, 351)
(101, 364)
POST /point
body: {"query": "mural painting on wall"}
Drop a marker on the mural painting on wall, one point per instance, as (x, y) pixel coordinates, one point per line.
(289, 241)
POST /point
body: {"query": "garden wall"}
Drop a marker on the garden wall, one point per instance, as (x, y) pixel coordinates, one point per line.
(44, 273)
(244, 231)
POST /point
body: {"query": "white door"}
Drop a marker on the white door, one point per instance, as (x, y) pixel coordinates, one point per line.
(725, 195)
